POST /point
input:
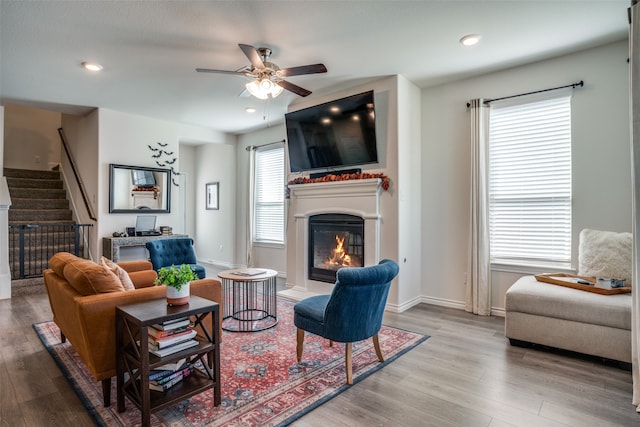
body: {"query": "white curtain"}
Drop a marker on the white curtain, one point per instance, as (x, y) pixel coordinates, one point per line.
(635, 168)
(250, 210)
(479, 267)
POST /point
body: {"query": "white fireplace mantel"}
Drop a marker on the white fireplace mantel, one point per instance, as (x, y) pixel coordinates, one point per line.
(359, 197)
(333, 189)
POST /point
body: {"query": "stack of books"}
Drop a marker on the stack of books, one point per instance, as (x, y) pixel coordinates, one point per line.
(166, 230)
(171, 337)
(166, 376)
(167, 338)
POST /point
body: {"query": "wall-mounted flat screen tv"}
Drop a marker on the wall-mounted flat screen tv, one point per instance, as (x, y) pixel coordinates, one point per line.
(333, 135)
(143, 178)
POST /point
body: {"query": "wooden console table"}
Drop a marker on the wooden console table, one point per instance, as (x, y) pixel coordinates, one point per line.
(111, 245)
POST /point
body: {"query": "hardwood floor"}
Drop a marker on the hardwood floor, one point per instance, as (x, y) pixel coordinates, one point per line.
(466, 374)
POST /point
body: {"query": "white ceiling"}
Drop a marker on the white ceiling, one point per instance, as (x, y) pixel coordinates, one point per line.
(149, 49)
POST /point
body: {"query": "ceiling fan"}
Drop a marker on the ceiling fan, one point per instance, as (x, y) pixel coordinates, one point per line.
(267, 77)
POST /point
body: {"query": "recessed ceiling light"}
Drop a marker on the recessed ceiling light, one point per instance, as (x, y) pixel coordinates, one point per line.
(250, 109)
(470, 39)
(91, 66)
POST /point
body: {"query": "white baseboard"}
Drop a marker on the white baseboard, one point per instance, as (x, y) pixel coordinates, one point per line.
(399, 308)
(459, 305)
(441, 302)
(5, 286)
(497, 311)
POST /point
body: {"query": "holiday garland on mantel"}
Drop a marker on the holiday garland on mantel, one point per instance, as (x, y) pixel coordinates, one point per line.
(343, 177)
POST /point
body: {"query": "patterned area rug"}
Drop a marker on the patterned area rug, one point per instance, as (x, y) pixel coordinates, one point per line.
(262, 384)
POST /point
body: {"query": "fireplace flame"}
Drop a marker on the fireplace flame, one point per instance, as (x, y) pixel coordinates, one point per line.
(339, 257)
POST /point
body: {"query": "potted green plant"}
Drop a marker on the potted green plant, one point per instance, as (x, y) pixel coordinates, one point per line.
(177, 280)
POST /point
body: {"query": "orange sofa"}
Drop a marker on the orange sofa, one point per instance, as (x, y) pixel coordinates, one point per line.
(83, 297)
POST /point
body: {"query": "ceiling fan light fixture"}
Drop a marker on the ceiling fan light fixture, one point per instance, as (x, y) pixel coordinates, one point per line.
(268, 77)
(256, 90)
(276, 90)
(262, 88)
(266, 85)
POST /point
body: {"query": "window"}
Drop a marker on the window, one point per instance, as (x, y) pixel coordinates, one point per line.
(269, 196)
(530, 181)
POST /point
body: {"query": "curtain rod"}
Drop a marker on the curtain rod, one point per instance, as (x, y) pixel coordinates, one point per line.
(255, 147)
(572, 85)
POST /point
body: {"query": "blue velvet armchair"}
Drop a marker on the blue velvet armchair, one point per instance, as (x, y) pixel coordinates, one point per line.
(168, 252)
(351, 313)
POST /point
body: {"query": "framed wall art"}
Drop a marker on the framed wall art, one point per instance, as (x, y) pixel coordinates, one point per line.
(212, 196)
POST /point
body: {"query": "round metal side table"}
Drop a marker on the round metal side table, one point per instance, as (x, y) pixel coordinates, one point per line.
(249, 299)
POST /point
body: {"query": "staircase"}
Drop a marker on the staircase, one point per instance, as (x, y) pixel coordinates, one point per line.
(40, 221)
(37, 197)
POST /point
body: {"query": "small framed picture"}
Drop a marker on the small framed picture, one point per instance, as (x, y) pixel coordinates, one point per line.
(213, 191)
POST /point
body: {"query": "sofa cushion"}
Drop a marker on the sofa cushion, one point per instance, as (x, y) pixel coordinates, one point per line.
(89, 278)
(605, 254)
(59, 260)
(527, 295)
(123, 276)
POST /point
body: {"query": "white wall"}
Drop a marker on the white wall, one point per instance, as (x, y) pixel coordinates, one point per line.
(2, 137)
(5, 274)
(187, 180)
(215, 229)
(601, 167)
(32, 138)
(123, 140)
(410, 195)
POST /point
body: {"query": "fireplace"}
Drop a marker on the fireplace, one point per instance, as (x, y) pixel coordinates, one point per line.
(351, 202)
(335, 241)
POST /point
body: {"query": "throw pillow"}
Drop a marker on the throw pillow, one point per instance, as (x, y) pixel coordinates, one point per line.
(605, 254)
(120, 272)
(89, 278)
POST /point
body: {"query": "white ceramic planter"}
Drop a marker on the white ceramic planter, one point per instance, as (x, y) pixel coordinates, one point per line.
(181, 297)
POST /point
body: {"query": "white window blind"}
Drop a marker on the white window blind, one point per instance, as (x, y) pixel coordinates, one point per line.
(269, 196)
(530, 181)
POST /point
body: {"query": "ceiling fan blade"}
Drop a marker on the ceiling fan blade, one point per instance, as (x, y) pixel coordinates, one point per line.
(207, 70)
(294, 88)
(251, 53)
(304, 69)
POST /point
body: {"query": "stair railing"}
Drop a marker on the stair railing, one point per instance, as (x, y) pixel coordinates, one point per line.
(32, 245)
(83, 191)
